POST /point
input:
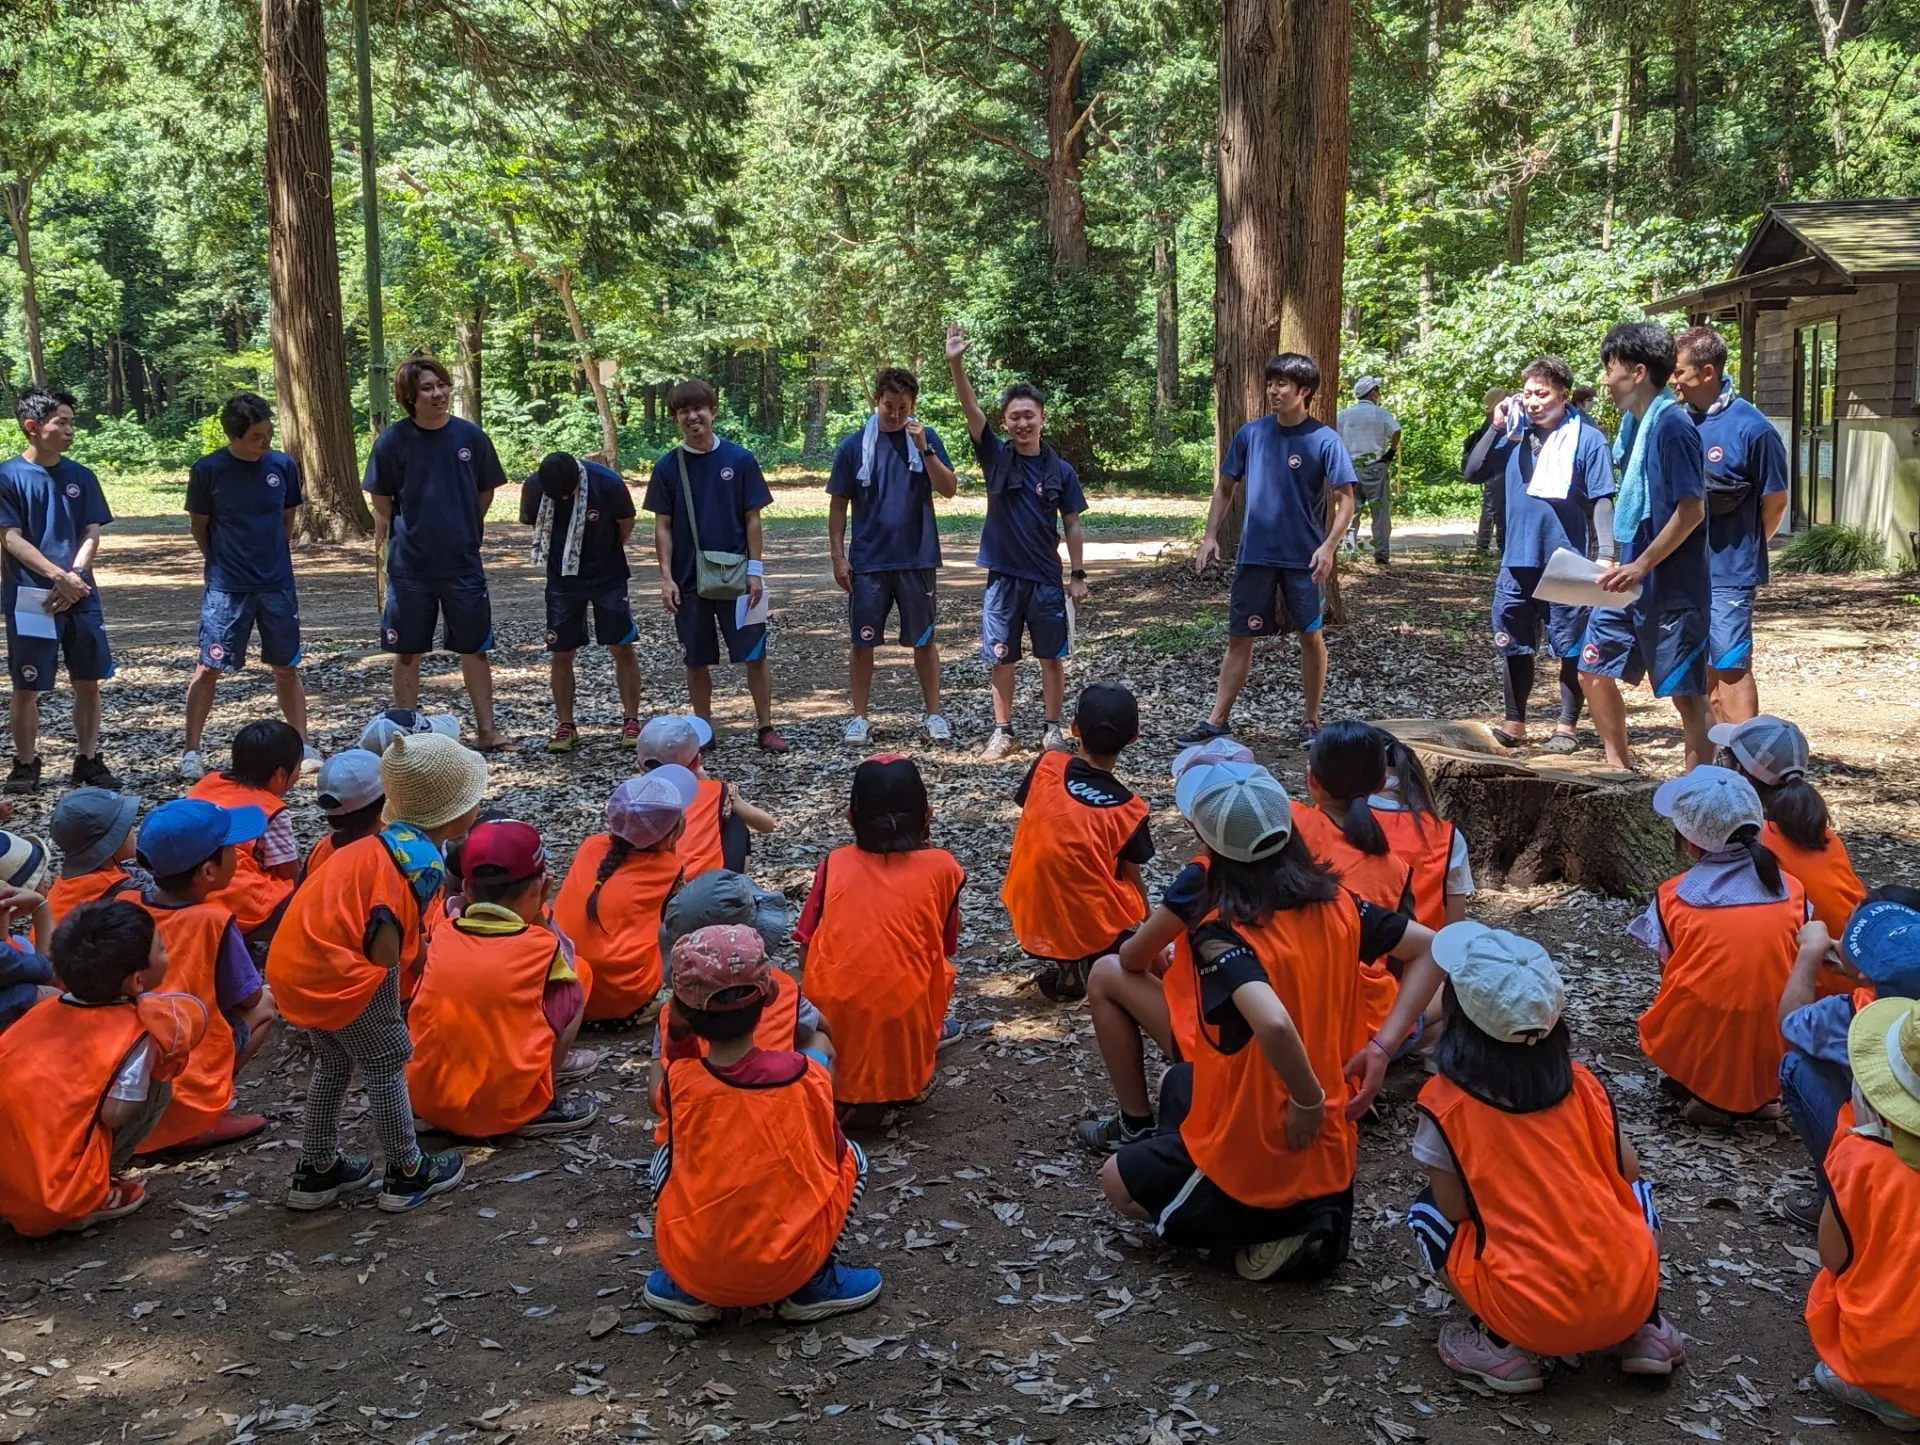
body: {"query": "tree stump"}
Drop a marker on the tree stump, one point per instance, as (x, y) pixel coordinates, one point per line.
(1543, 819)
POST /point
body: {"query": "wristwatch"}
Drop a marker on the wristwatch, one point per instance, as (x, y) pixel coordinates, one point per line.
(1078, 574)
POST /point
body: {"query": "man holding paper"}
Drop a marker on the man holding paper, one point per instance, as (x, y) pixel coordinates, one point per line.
(51, 512)
(1658, 517)
(1558, 477)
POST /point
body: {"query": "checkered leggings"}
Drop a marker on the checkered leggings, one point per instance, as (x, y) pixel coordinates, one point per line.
(378, 1042)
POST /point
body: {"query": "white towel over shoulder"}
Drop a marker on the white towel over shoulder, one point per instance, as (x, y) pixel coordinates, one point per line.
(1552, 476)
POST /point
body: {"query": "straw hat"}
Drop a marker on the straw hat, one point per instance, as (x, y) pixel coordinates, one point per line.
(430, 779)
(1883, 1045)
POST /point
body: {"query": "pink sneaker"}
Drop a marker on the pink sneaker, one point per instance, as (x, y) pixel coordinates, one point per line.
(1466, 1350)
(1654, 1349)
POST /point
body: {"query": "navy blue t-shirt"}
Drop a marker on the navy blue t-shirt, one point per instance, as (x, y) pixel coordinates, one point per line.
(1286, 471)
(603, 558)
(1536, 526)
(893, 524)
(436, 479)
(1740, 442)
(1021, 536)
(52, 508)
(726, 484)
(248, 503)
(1675, 470)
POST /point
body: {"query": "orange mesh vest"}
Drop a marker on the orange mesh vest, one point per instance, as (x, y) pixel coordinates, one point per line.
(1427, 853)
(759, 1187)
(322, 851)
(1555, 1253)
(1236, 1128)
(1181, 986)
(1063, 891)
(877, 967)
(779, 1023)
(482, 1047)
(59, 1060)
(254, 892)
(68, 894)
(1863, 1320)
(699, 846)
(621, 952)
(1714, 1026)
(203, 1091)
(1379, 878)
(318, 964)
(1833, 888)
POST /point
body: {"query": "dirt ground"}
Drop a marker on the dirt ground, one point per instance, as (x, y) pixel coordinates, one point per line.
(1017, 1306)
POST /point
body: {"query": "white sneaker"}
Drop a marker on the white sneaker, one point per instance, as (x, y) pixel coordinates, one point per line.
(310, 759)
(858, 730)
(937, 729)
(191, 768)
(1056, 740)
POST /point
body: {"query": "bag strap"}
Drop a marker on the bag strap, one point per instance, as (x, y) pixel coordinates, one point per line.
(686, 490)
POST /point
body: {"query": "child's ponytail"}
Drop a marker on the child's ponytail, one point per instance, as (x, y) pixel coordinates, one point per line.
(1349, 761)
(1416, 789)
(1765, 865)
(617, 850)
(1795, 807)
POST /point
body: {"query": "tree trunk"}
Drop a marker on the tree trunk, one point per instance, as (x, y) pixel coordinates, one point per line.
(1614, 134)
(18, 197)
(1636, 87)
(1166, 334)
(814, 442)
(1436, 21)
(1686, 107)
(137, 385)
(1066, 149)
(116, 378)
(467, 363)
(767, 407)
(650, 403)
(309, 347)
(1832, 27)
(533, 359)
(609, 431)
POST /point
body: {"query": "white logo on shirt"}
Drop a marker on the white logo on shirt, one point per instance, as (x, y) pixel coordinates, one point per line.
(73, 490)
(1715, 454)
(1293, 460)
(465, 454)
(726, 474)
(273, 479)
(592, 516)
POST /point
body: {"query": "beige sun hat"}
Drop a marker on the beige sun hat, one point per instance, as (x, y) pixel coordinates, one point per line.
(430, 779)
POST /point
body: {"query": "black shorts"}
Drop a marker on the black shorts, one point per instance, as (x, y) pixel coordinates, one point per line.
(700, 623)
(1269, 600)
(414, 605)
(1191, 1211)
(911, 592)
(613, 624)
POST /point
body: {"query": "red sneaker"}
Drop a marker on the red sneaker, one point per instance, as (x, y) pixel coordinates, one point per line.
(123, 1197)
(771, 742)
(630, 730)
(564, 739)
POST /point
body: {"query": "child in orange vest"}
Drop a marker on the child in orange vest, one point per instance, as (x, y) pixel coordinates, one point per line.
(1534, 1211)
(88, 1073)
(1073, 889)
(26, 974)
(609, 906)
(93, 829)
(266, 764)
(190, 847)
(1860, 1310)
(756, 1181)
(877, 936)
(499, 1003)
(336, 963)
(1727, 931)
(718, 819)
(1256, 1148)
(349, 794)
(1431, 846)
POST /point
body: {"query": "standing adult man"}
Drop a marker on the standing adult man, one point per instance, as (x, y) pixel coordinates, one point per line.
(241, 503)
(1372, 437)
(1658, 519)
(582, 514)
(51, 513)
(886, 474)
(1746, 465)
(1492, 528)
(1288, 461)
(432, 477)
(1032, 495)
(705, 496)
(1553, 466)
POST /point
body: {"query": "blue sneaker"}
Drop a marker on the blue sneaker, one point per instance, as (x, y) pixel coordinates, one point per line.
(836, 1290)
(664, 1295)
(950, 1032)
(405, 1189)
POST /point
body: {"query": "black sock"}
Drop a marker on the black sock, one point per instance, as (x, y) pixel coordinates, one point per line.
(1053, 722)
(1516, 680)
(1570, 695)
(1136, 1123)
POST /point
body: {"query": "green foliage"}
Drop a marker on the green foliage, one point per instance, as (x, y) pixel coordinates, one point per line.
(1175, 639)
(1832, 549)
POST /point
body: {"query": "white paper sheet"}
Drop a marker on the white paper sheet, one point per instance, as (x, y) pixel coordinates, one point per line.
(745, 616)
(30, 615)
(1569, 577)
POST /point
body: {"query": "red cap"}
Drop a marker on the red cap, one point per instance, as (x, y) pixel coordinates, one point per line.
(721, 967)
(509, 850)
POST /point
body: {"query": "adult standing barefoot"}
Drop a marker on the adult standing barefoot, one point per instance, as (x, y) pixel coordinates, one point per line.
(432, 477)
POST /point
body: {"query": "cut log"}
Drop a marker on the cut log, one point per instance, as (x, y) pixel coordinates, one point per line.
(1544, 818)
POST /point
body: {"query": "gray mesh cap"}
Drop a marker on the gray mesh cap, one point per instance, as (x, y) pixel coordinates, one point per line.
(674, 738)
(1770, 748)
(1709, 805)
(1238, 809)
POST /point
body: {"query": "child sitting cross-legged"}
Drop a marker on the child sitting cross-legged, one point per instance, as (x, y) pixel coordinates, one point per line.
(756, 1181)
(1535, 1213)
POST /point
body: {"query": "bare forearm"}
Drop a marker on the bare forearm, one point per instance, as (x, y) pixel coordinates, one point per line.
(663, 544)
(940, 475)
(837, 528)
(1076, 543)
(1223, 489)
(1150, 940)
(968, 398)
(89, 545)
(1773, 511)
(1688, 513)
(756, 540)
(1343, 508)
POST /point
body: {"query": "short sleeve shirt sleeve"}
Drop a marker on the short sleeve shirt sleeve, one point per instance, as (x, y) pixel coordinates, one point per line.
(754, 492)
(1381, 930)
(843, 479)
(1073, 501)
(134, 1080)
(1336, 461)
(488, 474)
(1234, 464)
(199, 490)
(1139, 848)
(296, 491)
(663, 488)
(1820, 1029)
(530, 501)
(1186, 897)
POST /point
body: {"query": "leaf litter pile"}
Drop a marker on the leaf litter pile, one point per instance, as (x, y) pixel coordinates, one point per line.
(1017, 1306)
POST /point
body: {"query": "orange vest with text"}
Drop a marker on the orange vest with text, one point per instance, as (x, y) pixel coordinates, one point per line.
(254, 892)
(318, 965)
(68, 894)
(699, 846)
(621, 952)
(1384, 879)
(776, 1031)
(1181, 987)
(1834, 890)
(1714, 1026)
(1236, 1128)
(1425, 845)
(1863, 1320)
(203, 1091)
(482, 1046)
(877, 967)
(1063, 891)
(760, 1183)
(1555, 1254)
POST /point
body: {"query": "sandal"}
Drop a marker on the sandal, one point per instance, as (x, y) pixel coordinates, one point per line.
(1061, 982)
(1561, 744)
(1507, 740)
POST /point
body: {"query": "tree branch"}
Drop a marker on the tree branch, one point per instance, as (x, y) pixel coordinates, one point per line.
(1026, 155)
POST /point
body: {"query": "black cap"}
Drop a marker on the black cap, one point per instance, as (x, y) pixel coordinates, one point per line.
(1108, 717)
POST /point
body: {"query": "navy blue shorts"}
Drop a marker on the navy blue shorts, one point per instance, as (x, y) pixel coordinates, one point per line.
(1730, 632)
(228, 619)
(1668, 648)
(1267, 600)
(910, 591)
(1018, 604)
(613, 624)
(1517, 616)
(81, 640)
(697, 622)
(415, 605)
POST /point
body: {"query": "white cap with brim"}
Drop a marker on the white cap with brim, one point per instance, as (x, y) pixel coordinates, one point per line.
(1505, 984)
(1366, 385)
(1214, 750)
(348, 782)
(1238, 809)
(675, 738)
(1770, 748)
(1709, 805)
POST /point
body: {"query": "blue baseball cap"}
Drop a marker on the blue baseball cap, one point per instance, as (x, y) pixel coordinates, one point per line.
(183, 834)
(1883, 941)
